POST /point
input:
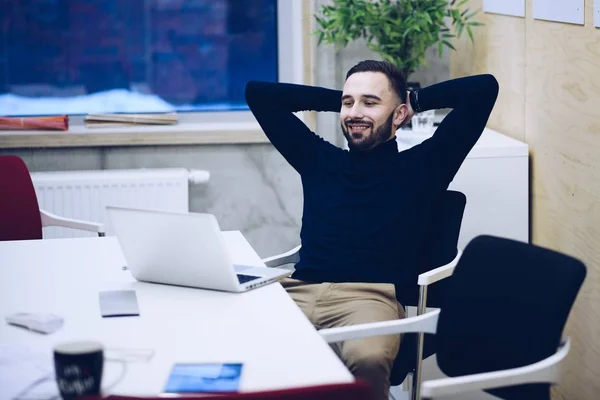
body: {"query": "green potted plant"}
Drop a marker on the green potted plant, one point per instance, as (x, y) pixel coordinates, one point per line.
(400, 31)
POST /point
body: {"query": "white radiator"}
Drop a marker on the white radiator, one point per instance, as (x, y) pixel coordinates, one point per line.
(84, 195)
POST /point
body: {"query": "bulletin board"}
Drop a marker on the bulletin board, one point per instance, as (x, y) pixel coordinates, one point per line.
(507, 7)
(569, 11)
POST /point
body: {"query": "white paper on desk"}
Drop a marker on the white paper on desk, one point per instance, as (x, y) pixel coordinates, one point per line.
(240, 250)
(22, 367)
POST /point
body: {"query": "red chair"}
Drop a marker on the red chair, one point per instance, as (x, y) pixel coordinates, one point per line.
(357, 390)
(20, 215)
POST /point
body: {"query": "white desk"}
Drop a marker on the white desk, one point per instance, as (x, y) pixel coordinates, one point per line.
(495, 179)
(262, 328)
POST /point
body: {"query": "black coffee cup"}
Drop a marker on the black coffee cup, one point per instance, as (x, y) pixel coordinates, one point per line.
(78, 367)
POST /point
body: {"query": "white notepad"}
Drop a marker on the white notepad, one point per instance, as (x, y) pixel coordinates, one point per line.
(118, 303)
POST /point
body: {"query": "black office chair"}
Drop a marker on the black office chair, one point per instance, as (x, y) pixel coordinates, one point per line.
(519, 297)
(441, 249)
(439, 257)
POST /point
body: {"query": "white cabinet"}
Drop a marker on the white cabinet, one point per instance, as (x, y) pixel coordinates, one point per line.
(495, 179)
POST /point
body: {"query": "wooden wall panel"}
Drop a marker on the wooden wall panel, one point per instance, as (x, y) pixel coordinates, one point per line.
(562, 126)
(549, 75)
(498, 48)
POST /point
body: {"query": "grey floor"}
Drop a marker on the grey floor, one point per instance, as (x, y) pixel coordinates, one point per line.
(431, 371)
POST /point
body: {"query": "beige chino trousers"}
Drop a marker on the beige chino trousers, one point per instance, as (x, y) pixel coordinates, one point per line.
(329, 305)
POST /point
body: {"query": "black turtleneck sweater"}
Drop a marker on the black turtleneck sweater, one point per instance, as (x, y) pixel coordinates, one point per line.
(366, 212)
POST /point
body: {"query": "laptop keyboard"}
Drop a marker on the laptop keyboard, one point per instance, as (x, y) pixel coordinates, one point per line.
(246, 278)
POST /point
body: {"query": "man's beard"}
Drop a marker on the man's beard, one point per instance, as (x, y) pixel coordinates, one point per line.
(380, 135)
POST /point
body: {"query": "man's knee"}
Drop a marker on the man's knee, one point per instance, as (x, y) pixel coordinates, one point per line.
(372, 362)
(370, 358)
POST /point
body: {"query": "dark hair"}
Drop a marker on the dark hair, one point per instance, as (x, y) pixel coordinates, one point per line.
(394, 74)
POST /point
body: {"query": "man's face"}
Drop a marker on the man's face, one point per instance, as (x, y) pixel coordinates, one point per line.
(370, 110)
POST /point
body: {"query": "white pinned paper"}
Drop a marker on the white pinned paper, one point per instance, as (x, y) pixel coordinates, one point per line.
(514, 8)
(569, 11)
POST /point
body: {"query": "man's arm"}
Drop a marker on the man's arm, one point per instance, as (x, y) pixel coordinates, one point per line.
(273, 104)
(472, 100)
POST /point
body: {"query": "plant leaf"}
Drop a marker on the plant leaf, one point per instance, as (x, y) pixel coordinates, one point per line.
(448, 44)
(471, 15)
(470, 33)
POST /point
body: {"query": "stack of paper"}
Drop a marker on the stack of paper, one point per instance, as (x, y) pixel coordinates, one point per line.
(114, 120)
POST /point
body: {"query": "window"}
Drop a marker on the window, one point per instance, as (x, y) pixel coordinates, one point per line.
(94, 56)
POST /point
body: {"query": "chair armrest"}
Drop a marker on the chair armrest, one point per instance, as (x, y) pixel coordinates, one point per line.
(437, 274)
(421, 323)
(49, 219)
(289, 257)
(547, 370)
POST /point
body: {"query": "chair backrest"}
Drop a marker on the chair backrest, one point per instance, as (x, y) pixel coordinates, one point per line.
(444, 230)
(440, 245)
(19, 210)
(439, 249)
(506, 307)
(348, 391)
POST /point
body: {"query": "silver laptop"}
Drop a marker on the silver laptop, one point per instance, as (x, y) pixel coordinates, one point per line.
(185, 249)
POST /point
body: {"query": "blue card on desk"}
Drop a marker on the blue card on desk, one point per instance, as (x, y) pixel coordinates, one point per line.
(209, 377)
